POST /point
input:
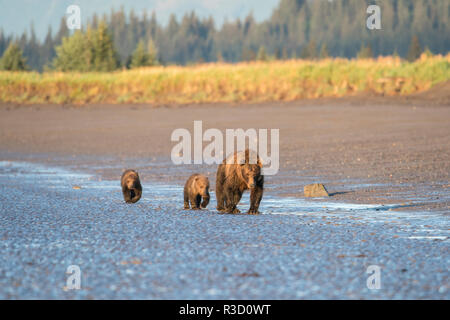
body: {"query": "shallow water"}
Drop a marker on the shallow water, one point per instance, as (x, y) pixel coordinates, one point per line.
(53, 215)
(418, 222)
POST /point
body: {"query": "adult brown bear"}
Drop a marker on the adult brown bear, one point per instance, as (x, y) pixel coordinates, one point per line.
(131, 186)
(239, 172)
(196, 188)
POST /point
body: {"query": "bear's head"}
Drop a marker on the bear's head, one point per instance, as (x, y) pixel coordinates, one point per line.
(250, 173)
(250, 167)
(202, 185)
(132, 182)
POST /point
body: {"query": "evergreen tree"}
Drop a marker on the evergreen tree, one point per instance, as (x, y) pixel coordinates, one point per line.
(220, 57)
(47, 51)
(152, 53)
(365, 52)
(262, 55)
(277, 55)
(415, 50)
(12, 59)
(324, 52)
(248, 54)
(63, 31)
(292, 28)
(2, 42)
(427, 52)
(304, 53)
(142, 57)
(89, 51)
(104, 54)
(284, 54)
(309, 51)
(395, 54)
(74, 54)
(31, 49)
(312, 50)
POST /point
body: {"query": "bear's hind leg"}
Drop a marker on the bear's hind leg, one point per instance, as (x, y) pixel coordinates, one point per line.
(186, 200)
(198, 200)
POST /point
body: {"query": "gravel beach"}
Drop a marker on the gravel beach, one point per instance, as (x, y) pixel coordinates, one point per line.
(384, 161)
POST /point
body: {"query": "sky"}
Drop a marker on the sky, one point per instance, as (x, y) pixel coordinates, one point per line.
(17, 16)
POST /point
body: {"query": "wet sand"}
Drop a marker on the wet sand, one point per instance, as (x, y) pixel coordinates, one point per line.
(365, 149)
(385, 162)
(296, 249)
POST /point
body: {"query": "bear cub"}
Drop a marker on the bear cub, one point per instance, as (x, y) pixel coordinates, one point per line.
(196, 188)
(131, 186)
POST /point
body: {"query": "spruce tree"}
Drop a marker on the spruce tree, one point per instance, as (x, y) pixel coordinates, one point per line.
(312, 50)
(284, 54)
(427, 52)
(395, 54)
(247, 54)
(415, 49)
(144, 57)
(262, 55)
(289, 29)
(304, 53)
(12, 59)
(365, 52)
(104, 54)
(74, 54)
(140, 57)
(153, 53)
(324, 52)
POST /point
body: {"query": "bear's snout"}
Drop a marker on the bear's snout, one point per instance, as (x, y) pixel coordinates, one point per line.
(132, 184)
(251, 183)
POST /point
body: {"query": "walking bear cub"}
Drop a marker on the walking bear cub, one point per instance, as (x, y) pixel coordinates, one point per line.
(196, 188)
(239, 172)
(131, 186)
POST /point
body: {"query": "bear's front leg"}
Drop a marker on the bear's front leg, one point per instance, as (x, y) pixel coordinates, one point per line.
(195, 202)
(205, 200)
(255, 197)
(135, 195)
(186, 200)
(127, 196)
(234, 196)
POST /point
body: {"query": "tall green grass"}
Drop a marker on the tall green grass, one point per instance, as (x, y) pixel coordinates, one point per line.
(243, 82)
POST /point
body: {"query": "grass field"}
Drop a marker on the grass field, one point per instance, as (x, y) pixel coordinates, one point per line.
(244, 82)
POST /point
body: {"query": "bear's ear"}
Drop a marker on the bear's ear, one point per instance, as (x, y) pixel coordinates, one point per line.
(260, 163)
(196, 179)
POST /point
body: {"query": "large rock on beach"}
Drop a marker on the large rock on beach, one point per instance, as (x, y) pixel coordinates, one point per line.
(316, 190)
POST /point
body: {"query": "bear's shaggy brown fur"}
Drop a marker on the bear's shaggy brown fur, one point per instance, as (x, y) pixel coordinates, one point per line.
(239, 172)
(131, 186)
(196, 188)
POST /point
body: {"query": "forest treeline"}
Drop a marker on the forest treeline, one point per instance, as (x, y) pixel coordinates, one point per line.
(296, 29)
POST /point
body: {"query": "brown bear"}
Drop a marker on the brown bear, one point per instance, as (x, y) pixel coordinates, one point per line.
(196, 188)
(131, 186)
(239, 172)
